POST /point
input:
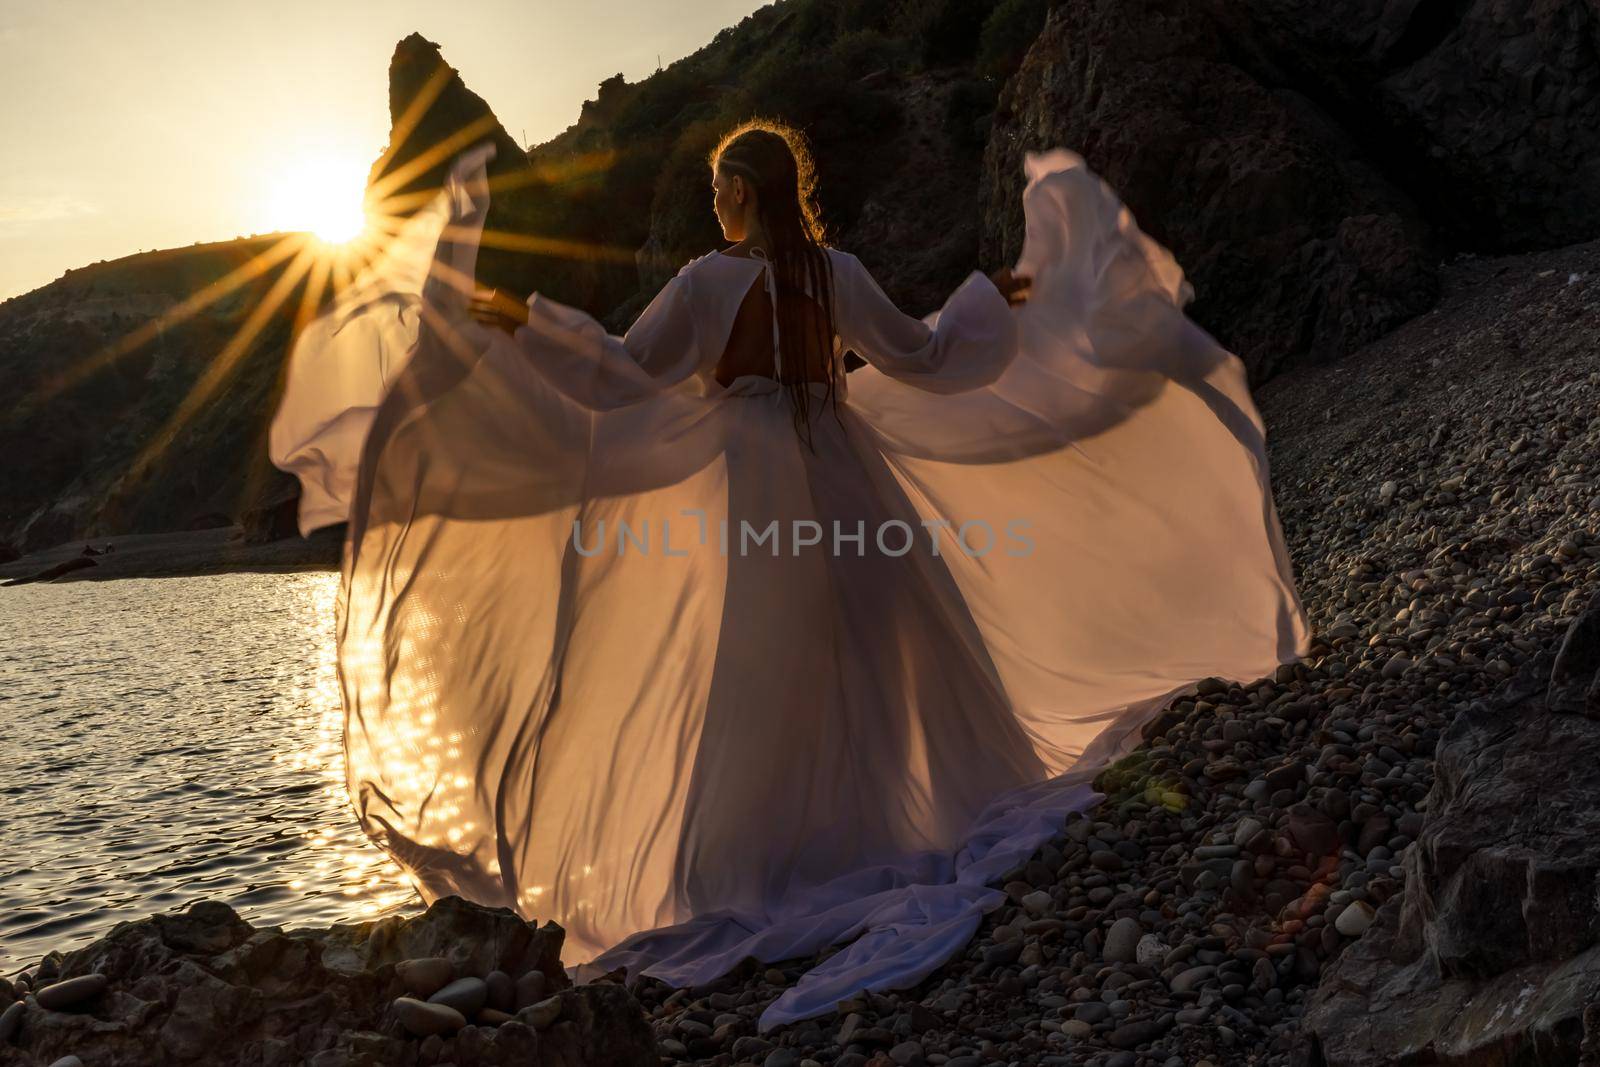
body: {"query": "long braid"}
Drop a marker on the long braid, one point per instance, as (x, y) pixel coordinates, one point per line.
(773, 157)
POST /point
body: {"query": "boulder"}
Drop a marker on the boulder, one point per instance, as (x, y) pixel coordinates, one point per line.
(1308, 163)
(1491, 953)
(1487, 115)
(1298, 247)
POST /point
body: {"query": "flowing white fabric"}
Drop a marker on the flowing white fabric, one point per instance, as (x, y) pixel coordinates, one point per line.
(565, 696)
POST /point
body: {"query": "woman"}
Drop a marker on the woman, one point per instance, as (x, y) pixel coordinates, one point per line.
(705, 650)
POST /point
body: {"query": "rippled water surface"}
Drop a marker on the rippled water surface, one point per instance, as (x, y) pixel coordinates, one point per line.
(167, 740)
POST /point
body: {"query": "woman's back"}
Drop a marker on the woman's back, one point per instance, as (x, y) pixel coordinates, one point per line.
(749, 346)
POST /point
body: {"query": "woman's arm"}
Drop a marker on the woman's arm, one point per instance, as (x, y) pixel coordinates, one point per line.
(1016, 288)
(966, 344)
(500, 311)
(597, 369)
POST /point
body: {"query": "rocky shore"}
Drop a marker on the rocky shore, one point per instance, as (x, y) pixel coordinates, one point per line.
(1380, 855)
(458, 984)
(1438, 490)
(173, 555)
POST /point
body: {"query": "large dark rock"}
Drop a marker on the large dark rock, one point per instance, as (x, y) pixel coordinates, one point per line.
(1296, 247)
(274, 514)
(1491, 954)
(433, 117)
(204, 986)
(1308, 162)
(1487, 113)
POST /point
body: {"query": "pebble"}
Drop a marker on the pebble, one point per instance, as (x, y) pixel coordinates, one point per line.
(1398, 664)
(1186, 981)
(1005, 952)
(1107, 860)
(1122, 941)
(422, 1018)
(1038, 903)
(1215, 852)
(1151, 951)
(542, 1016)
(67, 1061)
(502, 991)
(73, 991)
(11, 1021)
(1134, 1034)
(531, 988)
(424, 977)
(466, 995)
(907, 1054)
(1354, 919)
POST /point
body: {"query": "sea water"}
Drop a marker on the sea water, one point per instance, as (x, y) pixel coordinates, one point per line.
(170, 740)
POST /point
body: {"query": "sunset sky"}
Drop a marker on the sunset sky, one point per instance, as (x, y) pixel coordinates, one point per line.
(130, 125)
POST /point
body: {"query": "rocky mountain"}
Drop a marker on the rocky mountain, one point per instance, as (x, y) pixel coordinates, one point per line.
(134, 406)
(1310, 165)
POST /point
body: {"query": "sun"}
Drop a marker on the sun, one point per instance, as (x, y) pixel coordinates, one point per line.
(321, 194)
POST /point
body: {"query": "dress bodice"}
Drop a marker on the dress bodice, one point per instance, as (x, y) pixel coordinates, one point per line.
(722, 285)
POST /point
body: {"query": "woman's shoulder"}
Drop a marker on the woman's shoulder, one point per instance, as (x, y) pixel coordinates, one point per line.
(838, 257)
(696, 262)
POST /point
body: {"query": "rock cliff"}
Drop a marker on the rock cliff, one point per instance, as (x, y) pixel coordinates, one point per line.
(1310, 163)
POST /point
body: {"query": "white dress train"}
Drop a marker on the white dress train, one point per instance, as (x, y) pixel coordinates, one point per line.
(1032, 527)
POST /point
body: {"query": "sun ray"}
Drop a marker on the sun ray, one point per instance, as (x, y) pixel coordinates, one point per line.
(464, 351)
(571, 168)
(358, 257)
(406, 124)
(179, 313)
(342, 277)
(546, 246)
(463, 282)
(217, 371)
(428, 158)
(544, 173)
(311, 297)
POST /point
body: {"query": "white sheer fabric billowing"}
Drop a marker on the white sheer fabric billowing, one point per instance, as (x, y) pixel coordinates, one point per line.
(1022, 532)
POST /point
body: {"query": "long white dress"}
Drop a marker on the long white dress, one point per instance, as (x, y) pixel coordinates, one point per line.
(571, 693)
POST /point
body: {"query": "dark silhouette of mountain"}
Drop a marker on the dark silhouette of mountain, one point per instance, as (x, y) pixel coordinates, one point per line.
(1309, 182)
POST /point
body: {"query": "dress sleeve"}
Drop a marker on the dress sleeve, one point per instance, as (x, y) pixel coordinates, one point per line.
(602, 371)
(966, 344)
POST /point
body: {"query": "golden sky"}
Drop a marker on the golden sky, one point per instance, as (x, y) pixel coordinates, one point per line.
(130, 125)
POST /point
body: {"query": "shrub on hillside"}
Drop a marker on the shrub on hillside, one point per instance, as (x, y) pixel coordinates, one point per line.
(1008, 33)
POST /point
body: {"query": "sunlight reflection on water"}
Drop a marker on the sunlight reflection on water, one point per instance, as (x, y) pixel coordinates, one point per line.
(168, 740)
